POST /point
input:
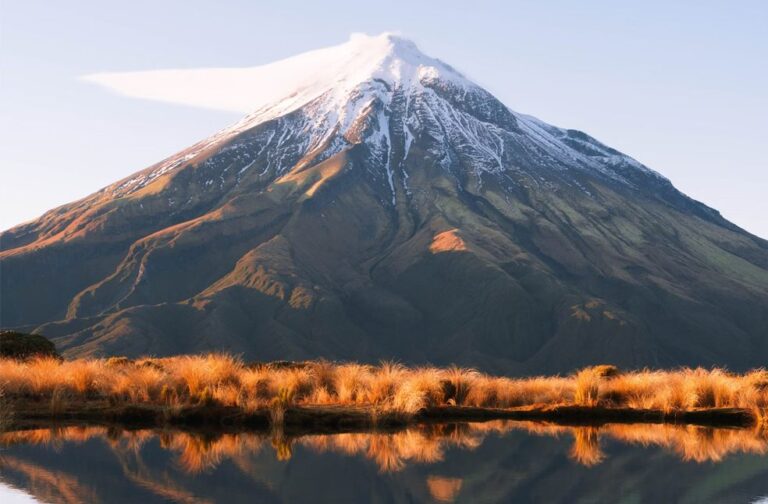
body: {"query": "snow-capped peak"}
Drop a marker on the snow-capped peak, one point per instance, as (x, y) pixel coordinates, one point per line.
(390, 58)
(339, 70)
(383, 92)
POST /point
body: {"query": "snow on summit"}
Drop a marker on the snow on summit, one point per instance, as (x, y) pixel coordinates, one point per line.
(377, 91)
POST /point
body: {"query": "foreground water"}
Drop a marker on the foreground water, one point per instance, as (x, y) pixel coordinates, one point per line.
(484, 462)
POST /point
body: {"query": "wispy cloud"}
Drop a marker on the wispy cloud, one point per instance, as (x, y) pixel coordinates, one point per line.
(295, 80)
(239, 90)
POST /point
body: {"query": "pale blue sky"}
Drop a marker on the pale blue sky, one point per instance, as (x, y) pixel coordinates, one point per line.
(681, 85)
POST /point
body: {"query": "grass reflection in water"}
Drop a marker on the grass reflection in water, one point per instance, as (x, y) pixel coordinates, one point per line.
(393, 451)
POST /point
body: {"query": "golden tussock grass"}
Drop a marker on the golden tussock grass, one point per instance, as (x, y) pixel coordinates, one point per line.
(385, 388)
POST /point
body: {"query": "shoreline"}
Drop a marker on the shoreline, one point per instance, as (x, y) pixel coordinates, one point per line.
(220, 391)
(338, 419)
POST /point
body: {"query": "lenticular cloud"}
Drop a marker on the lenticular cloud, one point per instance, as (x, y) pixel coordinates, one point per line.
(244, 90)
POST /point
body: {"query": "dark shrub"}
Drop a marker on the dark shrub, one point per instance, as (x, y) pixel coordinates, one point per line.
(16, 345)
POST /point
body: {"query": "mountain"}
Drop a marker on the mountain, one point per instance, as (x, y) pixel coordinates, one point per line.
(385, 206)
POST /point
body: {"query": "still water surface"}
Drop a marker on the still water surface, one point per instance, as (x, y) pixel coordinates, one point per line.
(486, 462)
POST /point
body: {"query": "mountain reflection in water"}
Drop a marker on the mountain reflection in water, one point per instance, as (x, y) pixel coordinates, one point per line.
(478, 462)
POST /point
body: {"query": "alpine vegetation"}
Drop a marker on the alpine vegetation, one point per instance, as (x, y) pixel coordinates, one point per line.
(221, 383)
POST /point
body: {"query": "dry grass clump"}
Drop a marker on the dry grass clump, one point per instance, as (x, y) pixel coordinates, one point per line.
(587, 387)
(219, 379)
(424, 388)
(197, 374)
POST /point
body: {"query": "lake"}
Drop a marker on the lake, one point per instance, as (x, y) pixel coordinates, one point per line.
(499, 461)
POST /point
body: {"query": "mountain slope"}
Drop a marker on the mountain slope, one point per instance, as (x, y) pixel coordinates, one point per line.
(389, 207)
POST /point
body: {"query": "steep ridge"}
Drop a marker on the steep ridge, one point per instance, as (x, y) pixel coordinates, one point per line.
(385, 206)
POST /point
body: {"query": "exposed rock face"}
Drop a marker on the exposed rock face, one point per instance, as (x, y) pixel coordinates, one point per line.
(395, 211)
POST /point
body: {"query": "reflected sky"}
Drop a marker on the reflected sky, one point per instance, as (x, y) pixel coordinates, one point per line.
(481, 462)
(9, 495)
